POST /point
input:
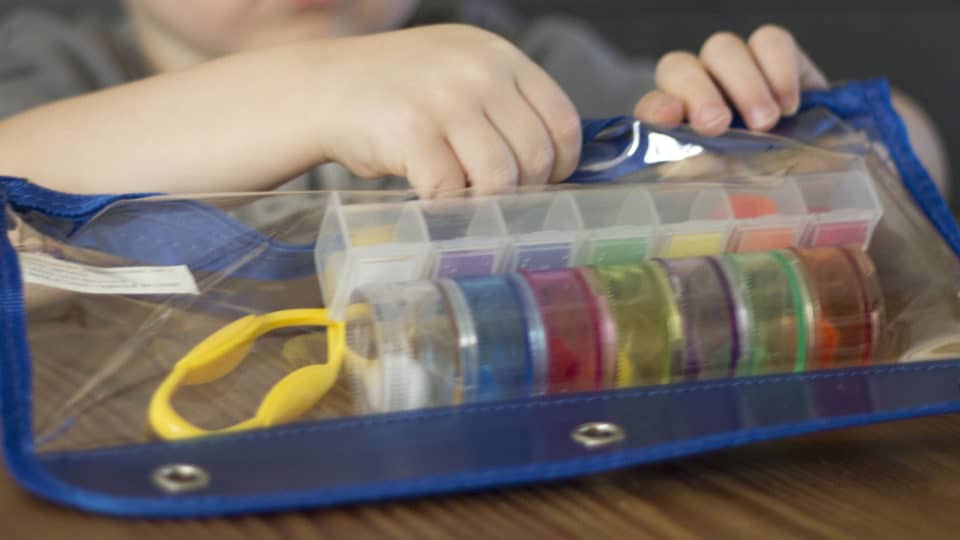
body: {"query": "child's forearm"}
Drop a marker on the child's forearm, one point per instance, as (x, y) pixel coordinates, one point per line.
(444, 106)
(240, 123)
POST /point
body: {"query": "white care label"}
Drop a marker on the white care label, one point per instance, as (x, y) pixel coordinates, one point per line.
(42, 269)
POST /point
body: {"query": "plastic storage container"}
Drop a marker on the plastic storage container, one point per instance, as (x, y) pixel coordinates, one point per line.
(369, 243)
(544, 230)
(650, 330)
(847, 305)
(511, 344)
(705, 299)
(608, 225)
(844, 208)
(577, 330)
(773, 293)
(467, 236)
(767, 218)
(407, 348)
(661, 321)
(620, 226)
(694, 221)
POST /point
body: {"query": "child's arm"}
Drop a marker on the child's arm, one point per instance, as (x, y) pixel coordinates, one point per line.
(444, 106)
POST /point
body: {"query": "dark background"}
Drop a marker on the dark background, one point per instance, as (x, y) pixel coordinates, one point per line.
(912, 43)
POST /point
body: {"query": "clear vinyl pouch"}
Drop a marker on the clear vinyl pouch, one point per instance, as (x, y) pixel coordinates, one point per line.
(217, 354)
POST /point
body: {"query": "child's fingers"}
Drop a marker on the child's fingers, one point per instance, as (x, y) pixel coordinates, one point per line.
(558, 115)
(525, 134)
(681, 74)
(731, 63)
(485, 157)
(776, 53)
(658, 107)
(432, 167)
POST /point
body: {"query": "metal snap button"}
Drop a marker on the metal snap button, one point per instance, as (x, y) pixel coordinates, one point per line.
(597, 434)
(180, 478)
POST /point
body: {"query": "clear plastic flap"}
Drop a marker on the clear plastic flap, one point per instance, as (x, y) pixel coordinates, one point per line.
(161, 317)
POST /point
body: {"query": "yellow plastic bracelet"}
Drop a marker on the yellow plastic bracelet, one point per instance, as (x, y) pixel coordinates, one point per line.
(224, 350)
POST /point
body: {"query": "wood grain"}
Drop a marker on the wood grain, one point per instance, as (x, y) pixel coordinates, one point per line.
(894, 480)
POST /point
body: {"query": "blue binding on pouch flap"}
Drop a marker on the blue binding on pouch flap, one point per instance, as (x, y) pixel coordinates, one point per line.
(615, 147)
(443, 450)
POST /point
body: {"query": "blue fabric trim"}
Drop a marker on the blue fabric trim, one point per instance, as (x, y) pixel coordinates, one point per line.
(161, 232)
(164, 232)
(26, 197)
(599, 146)
(16, 411)
(872, 98)
(206, 505)
(439, 485)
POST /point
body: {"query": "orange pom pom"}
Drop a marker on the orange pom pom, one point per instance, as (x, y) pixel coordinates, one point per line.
(828, 341)
(748, 206)
(751, 206)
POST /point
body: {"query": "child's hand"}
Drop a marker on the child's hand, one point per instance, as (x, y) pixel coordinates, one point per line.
(447, 107)
(762, 78)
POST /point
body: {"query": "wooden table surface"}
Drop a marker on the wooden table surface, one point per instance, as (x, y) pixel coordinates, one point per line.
(897, 480)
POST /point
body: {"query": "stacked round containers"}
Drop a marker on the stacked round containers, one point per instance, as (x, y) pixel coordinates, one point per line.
(513, 336)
